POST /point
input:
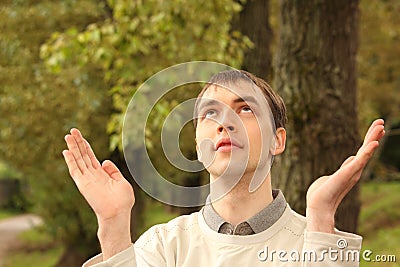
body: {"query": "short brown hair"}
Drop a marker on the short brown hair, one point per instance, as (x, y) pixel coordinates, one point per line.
(275, 102)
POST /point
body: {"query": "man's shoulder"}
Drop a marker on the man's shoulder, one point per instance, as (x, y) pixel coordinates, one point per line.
(178, 226)
(181, 223)
(296, 221)
(297, 217)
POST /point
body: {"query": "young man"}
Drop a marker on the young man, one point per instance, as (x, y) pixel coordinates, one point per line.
(244, 222)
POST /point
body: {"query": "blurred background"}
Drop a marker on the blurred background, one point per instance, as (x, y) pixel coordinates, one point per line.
(73, 63)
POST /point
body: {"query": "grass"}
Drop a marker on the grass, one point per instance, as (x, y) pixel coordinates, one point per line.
(38, 249)
(4, 214)
(380, 221)
(46, 258)
(36, 237)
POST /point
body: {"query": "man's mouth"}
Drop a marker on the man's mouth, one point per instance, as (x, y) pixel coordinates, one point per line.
(226, 145)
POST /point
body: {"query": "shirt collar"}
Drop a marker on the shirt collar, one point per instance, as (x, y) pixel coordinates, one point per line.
(258, 223)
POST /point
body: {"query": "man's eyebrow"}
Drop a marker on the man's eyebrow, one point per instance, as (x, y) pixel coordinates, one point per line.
(211, 102)
(247, 99)
(207, 102)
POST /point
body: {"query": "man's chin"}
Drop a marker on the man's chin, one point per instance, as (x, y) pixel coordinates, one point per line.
(228, 169)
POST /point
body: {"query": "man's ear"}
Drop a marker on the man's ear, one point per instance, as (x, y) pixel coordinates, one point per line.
(280, 141)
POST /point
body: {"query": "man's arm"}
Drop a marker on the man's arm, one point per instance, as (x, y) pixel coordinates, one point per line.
(324, 197)
(105, 189)
(326, 193)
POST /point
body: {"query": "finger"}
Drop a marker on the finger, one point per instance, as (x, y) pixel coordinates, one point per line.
(352, 181)
(112, 170)
(347, 161)
(382, 134)
(74, 150)
(74, 171)
(378, 122)
(373, 124)
(369, 151)
(349, 174)
(344, 180)
(375, 133)
(360, 160)
(96, 164)
(81, 145)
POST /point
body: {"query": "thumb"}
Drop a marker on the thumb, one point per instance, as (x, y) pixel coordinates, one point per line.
(112, 170)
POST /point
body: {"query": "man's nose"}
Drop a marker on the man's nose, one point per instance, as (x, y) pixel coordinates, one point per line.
(227, 122)
(230, 128)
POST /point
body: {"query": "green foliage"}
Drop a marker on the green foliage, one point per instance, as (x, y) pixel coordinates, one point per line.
(379, 200)
(4, 214)
(38, 108)
(98, 53)
(137, 40)
(379, 61)
(37, 249)
(380, 220)
(8, 172)
(47, 258)
(141, 38)
(378, 64)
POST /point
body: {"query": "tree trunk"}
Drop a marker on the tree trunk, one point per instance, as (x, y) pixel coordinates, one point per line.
(253, 21)
(315, 73)
(73, 256)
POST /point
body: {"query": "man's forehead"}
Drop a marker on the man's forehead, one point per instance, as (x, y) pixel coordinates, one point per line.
(238, 87)
(239, 92)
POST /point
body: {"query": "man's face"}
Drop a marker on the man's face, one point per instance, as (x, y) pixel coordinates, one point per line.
(234, 129)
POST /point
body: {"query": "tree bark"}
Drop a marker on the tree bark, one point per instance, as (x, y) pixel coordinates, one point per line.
(315, 73)
(253, 21)
(73, 256)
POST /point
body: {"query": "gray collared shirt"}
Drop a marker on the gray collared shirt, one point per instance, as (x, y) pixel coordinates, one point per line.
(256, 224)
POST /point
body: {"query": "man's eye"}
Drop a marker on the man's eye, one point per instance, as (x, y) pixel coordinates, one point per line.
(246, 110)
(209, 113)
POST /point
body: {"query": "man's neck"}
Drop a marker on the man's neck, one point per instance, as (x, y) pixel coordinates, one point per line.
(239, 204)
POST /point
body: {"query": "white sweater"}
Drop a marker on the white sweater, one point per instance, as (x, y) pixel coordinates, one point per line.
(188, 241)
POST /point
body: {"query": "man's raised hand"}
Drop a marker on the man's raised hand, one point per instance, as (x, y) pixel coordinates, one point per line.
(103, 186)
(326, 193)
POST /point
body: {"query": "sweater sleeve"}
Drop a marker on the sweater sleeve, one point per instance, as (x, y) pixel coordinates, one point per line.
(331, 250)
(147, 251)
(125, 258)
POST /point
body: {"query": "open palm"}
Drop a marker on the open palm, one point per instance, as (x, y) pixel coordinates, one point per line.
(103, 186)
(326, 193)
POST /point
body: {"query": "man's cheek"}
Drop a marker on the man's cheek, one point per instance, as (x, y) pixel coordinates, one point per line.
(205, 152)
